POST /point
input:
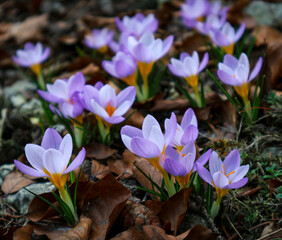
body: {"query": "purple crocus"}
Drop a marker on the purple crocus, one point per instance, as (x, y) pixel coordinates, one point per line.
(147, 50)
(138, 24)
(32, 56)
(65, 93)
(224, 175)
(99, 39)
(122, 66)
(51, 159)
(106, 105)
(226, 36)
(149, 142)
(182, 164)
(187, 131)
(235, 72)
(193, 11)
(189, 67)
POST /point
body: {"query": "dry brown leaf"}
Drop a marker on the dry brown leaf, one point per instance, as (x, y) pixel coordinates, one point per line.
(120, 167)
(147, 168)
(266, 35)
(98, 22)
(240, 17)
(239, 6)
(135, 214)
(136, 119)
(98, 151)
(229, 116)
(28, 30)
(51, 231)
(14, 181)
(168, 105)
(193, 42)
(103, 202)
(173, 210)
(98, 170)
(149, 232)
(23, 233)
(80, 231)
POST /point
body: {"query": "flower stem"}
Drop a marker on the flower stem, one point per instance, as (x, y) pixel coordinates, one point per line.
(215, 207)
(41, 81)
(78, 134)
(104, 131)
(198, 97)
(67, 199)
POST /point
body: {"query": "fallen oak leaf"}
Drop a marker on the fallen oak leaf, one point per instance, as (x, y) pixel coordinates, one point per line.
(98, 170)
(15, 181)
(103, 202)
(98, 151)
(23, 233)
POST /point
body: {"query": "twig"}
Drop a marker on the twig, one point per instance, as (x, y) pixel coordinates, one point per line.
(234, 227)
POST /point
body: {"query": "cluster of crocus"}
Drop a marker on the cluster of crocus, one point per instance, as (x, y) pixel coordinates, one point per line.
(51, 160)
(224, 175)
(99, 39)
(160, 149)
(236, 73)
(32, 56)
(210, 19)
(137, 48)
(189, 68)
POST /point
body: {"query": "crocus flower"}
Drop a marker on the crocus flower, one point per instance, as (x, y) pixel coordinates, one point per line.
(99, 39)
(226, 36)
(182, 165)
(51, 159)
(146, 51)
(137, 25)
(224, 175)
(106, 105)
(189, 67)
(235, 72)
(149, 142)
(32, 56)
(122, 66)
(65, 92)
(187, 131)
(193, 11)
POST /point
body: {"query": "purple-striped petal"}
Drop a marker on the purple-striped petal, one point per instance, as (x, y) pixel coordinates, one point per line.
(238, 184)
(127, 94)
(174, 168)
(239, 173)
(34, 155)
(190, 135)
(256, 69)
(204, 173)
(76, 162)
(54, 161)
(202, 160)
(28, 170)
(144, 148)
(51, 139)
(220, 180)
(66, 146)
(48, 96)
(227, 79)
(170, 129)
(147, 125)
(215, 164)
(204, 62)
(240, 31)
(232, 161)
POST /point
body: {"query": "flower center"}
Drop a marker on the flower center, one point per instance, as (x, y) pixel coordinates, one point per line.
(110, 109)
(225, 172)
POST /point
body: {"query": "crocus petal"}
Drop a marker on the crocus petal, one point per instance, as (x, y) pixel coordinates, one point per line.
(239, 173)
(127, 94)
(141, 53)
(230, 61)
(144, 148)
(189, 118)
(98, 110)
(204, 173)
(204, 62)
(215, 164)
(167, 43)
(122, 109)
(203, 159)
(28, 170)
(174, 168)
(188, 162)
(66, 146)
(48, 97)
(232, 161)
(170, 129)
(76, 162)
(220, 180)
(171, 152)
(227, 79)
(189, 148)
(123, 69)
(190, 135)
(54, 161)
(34, 155)
(147, 125)
(256, 69)
(51, 139)
(238, 184)
(110, 68)
(127, 133)
(76, 83)
(177, 71)
(157, 137)
(240, 31)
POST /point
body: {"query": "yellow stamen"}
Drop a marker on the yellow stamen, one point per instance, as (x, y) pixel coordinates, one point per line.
(110, 109)
(200, 19)
(243, 91)
(229, 49)
(179, 148)
(36, 68)
(57, 179)
(130, 80)
(103, 49)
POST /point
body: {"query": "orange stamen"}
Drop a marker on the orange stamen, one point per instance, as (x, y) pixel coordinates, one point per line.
(110, 109)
